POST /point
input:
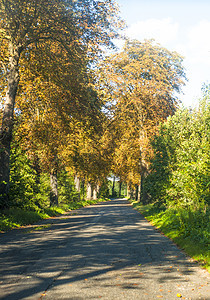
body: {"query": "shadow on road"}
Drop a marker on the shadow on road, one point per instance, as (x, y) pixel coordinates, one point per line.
(108, 245)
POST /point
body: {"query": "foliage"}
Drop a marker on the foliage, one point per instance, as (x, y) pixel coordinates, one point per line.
(139, 85)
(178, 181)
(48, 53)
(17, 217)
(73, 119)
(104, 189)
(66, 188)
(190, 230)
(179, 173)
(22, 179)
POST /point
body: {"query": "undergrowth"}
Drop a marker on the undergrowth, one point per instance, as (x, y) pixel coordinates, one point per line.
(17, 217)
(190, 230)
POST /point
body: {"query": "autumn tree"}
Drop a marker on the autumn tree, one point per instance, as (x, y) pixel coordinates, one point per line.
(141, 83)
(87, 153)
(52, 104)
(61, 117)
(75, 26)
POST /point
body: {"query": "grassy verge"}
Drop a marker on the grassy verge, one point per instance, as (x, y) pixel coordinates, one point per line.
(189, 230)
(17, 217)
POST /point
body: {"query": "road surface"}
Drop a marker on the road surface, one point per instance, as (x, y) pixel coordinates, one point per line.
(106, 251)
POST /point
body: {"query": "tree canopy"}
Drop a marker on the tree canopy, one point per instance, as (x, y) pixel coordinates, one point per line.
(141, 84)
(78, 113)
(57, 41)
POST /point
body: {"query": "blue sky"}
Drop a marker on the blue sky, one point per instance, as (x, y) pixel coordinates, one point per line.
(178, 25)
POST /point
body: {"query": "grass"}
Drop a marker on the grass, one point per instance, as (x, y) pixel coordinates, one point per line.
(189, 230)
(16, 217)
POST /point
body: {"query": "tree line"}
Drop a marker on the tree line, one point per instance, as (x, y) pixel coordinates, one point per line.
(70, 113)
(49, 50)
(179, 168)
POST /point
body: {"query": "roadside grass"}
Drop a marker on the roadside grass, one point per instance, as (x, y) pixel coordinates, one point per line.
(16, 217)
(189, 230)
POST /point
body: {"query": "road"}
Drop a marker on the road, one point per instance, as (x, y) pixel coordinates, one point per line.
(106, 251)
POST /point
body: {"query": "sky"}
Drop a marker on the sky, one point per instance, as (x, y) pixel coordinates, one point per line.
(178, 25)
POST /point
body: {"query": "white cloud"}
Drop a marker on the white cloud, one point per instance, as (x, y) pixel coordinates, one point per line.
(199, 42)
(162, 30)
(191, 41)
(197, 59)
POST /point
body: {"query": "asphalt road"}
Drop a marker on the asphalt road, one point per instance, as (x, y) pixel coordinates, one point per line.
(106, 251)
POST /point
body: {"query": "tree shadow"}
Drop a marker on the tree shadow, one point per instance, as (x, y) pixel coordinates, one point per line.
(95, 245)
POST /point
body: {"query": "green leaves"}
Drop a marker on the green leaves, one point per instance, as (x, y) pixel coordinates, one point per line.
(179, 172)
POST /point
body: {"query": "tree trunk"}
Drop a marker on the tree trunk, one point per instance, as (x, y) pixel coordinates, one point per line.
(7, 123)
(95, 196)
(132, 193)
(143, 192)
(37, 169)
(54, 188)
(129, 190)
(113, 186)
(96, 192)
(89, 191)
(139, 192)
(136, 192)
(77, 185)
(120, 188)
(83, 189)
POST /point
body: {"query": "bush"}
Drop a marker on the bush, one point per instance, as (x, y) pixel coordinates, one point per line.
(22, 179)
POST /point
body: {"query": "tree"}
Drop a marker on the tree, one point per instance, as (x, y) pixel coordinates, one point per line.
(77, 27)
(140, 83)
(179, 171)
(87, 153)
(49, 132)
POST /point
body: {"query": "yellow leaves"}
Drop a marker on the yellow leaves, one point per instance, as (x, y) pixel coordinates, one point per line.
(44, 294)
(140, 79)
